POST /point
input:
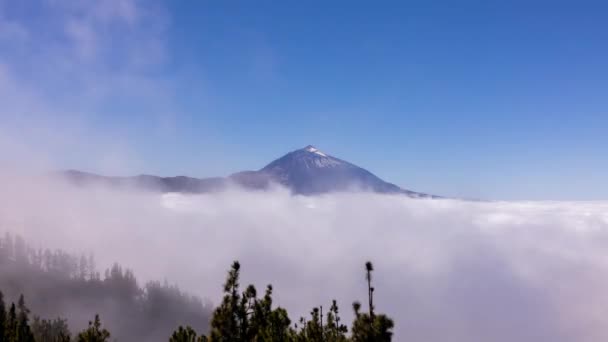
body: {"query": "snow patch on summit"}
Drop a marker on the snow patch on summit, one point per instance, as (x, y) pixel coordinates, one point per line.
(312, 149)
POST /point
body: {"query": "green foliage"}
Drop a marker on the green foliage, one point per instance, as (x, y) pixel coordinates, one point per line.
(226, 324)
(367, 330)
(55, 330)
(24, 333)
(3, 317)
(94, 333)
(14, 325)
(10, 334)
(316, 330)
(55, 280)
(369, 327)
(334, 330)
(311, 330)
(245, 317)
(369, 268)
(241, 317)
(186, 334)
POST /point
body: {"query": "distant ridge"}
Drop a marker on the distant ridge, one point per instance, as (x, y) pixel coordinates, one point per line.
(306, 171)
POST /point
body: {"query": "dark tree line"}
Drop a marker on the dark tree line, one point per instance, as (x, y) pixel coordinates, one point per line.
(14, 323)
(244, 316)
(58, 284)
(15, 327)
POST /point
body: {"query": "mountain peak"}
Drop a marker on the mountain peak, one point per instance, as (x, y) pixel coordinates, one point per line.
(311, 171)
(305, 171)
(314, 150)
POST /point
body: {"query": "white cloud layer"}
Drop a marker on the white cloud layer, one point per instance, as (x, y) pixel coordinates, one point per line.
(446, 270)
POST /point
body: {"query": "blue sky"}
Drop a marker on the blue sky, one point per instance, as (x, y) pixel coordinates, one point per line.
(493, 99)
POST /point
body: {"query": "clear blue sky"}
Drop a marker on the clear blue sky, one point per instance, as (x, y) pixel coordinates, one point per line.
(491, 99)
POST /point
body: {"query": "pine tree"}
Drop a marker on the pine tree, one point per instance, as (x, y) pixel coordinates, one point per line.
(279, 326)
(24, 333)
(182, 334)
(241, 317)
(8, 247)
(83, 271)
(10, 334)
(3, 318)
(268, 324)
(94, 333)
(245, 317)
(20, 250)
(226, 321)
(91, 267)
(311, 330)
(370, 327)
(334, 331)
(3, 251)
(369, 268)
(50, 330)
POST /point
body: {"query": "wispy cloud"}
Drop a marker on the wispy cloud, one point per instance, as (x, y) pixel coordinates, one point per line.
(76, 64)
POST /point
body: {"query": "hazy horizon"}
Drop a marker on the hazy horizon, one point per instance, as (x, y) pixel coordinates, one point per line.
(494, 101)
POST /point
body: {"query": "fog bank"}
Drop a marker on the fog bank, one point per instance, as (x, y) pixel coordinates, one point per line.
(445, 269)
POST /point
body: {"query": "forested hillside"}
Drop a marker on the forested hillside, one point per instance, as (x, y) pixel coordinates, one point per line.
(58, 284)
(63, 290)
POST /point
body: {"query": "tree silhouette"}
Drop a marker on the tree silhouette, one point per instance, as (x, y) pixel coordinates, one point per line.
(369, 268)
(245, 317)
(334, 331)
(24, 333)
(11, 325)
(240, 317)
(55, 280)
(94, 333)
(225, 324)
(369, 327)
(186, 334)
(3, 318)
(55, 330)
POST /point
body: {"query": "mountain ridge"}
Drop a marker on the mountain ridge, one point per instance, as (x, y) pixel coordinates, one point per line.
(306, 171)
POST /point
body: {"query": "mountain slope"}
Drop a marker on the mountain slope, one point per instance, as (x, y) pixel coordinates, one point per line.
(311, 171)
(305, 171)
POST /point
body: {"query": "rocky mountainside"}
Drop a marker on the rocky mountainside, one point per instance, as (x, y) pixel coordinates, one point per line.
(305, 171)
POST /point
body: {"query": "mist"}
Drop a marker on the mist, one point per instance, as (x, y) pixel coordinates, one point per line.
(445, 269)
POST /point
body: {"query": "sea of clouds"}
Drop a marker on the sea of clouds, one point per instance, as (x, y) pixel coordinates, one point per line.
(446, 270)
